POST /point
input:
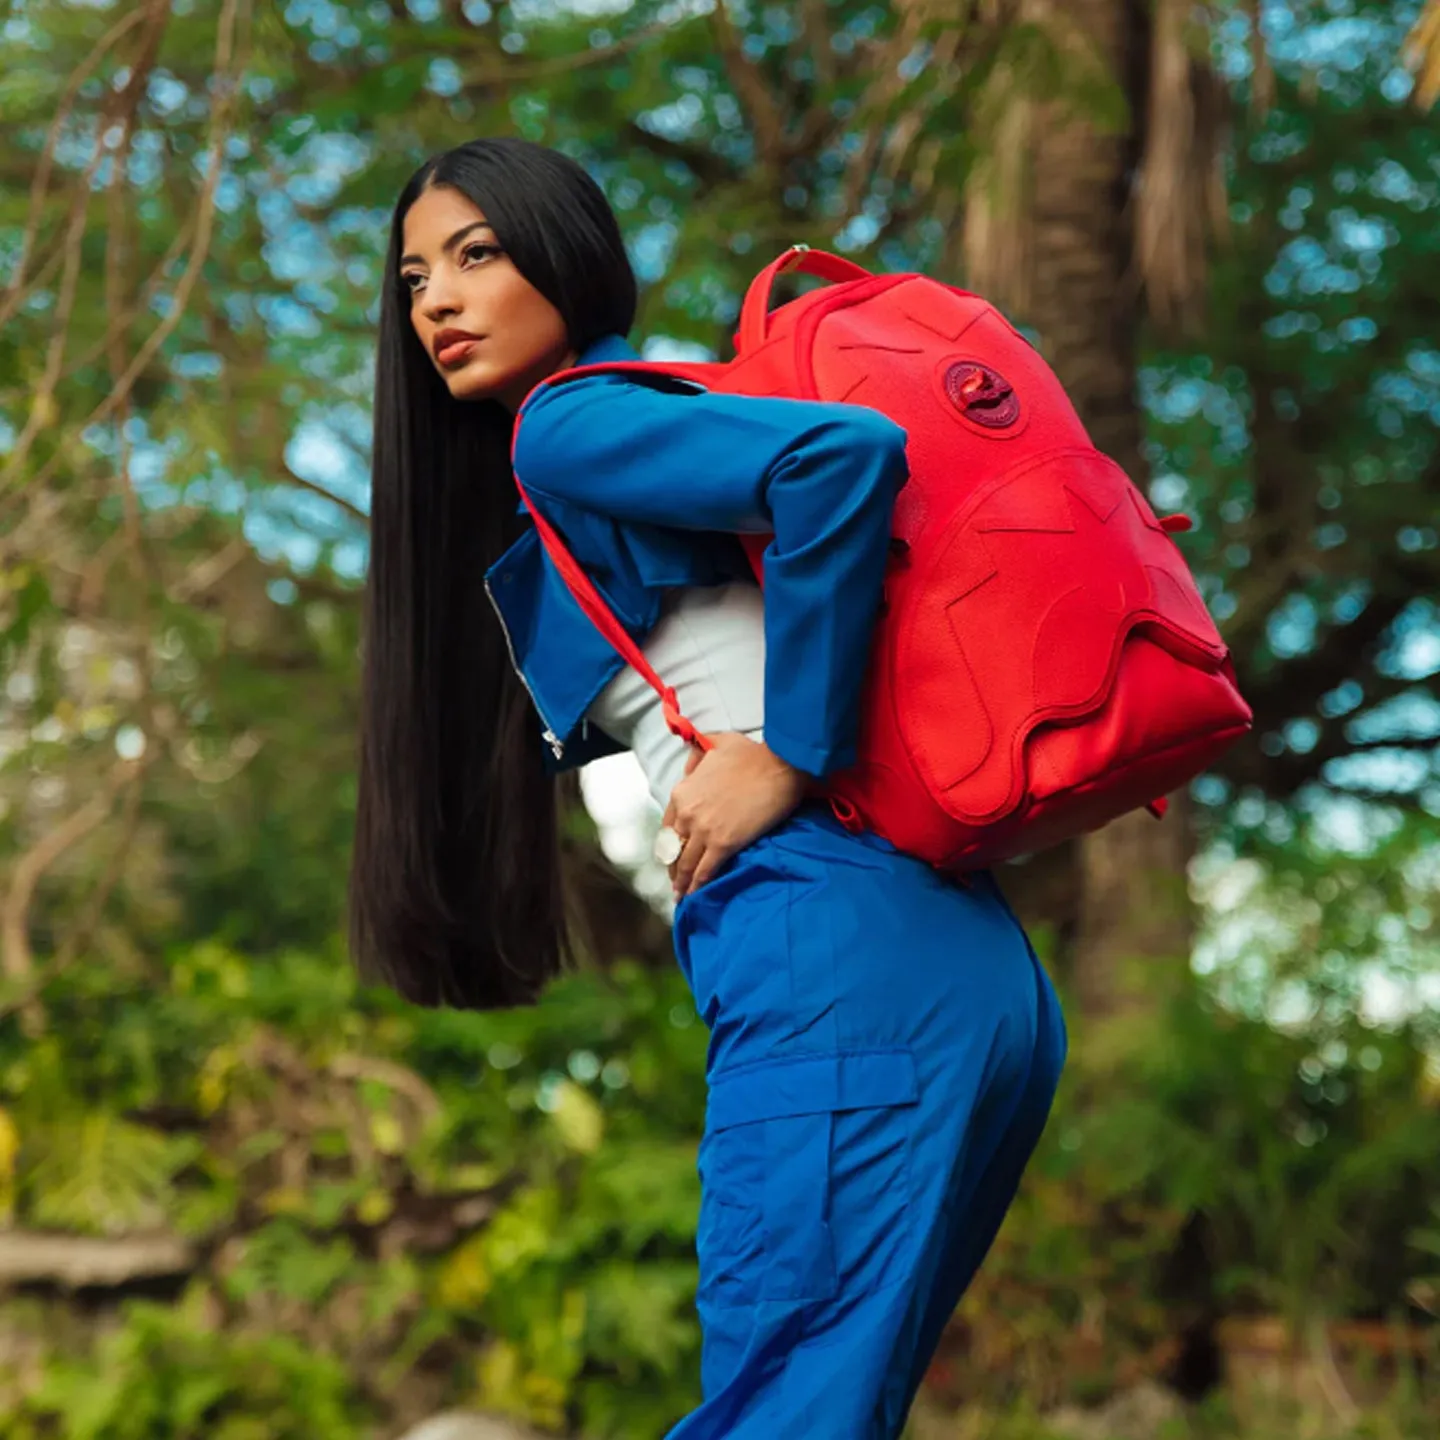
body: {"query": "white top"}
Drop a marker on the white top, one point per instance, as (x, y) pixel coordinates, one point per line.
(709, 647)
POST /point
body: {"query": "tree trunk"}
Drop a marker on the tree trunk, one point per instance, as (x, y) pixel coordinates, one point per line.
(1126, 919)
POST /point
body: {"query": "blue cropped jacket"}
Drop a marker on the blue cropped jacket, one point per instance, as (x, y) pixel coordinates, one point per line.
(649, 485)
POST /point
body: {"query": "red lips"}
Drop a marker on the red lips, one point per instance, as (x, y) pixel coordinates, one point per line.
(447, 339)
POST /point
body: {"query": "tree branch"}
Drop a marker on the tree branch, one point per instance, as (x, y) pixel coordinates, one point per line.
(708, 167)
(16, 960)
(751, 88)
(348, 506)
(318, 588)
(73, 1261)
(883, 89)
(563, 64)
(815, 36)
(142, 561)
(1295, 686)
(209, 571)
(226, 78)
(79, 934)
(1280, 776)
(15, 292)
(43, 408)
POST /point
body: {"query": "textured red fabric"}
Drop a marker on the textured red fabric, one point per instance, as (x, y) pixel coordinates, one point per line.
(1044, 661)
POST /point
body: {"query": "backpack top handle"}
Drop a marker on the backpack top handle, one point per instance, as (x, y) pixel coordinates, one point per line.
(755, 314)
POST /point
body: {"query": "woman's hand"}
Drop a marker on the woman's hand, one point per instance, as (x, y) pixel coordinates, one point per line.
(730, 796)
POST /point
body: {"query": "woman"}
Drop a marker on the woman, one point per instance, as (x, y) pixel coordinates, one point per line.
(884, 1045)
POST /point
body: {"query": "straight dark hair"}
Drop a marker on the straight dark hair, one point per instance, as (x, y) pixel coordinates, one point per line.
(455, 887)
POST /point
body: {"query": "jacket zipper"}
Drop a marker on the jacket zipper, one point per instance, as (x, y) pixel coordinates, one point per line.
(551, 738)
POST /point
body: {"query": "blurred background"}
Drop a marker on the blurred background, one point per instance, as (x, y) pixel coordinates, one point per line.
(240, 1197)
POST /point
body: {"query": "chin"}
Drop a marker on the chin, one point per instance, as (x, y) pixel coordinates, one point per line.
(473, 382)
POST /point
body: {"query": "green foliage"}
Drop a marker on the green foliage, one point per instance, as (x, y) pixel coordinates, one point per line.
(394, 1209)
(377, 1187)
(95, 1171)
(1231, 1168)
(1299, 426)
(171, 1373)
(1274, 1416)
(505, 1204)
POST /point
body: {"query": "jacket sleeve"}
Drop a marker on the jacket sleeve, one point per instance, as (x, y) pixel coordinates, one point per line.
(821, 476)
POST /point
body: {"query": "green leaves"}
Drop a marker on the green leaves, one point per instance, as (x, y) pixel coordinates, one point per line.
(96, 1173)
(24, 596)
(641, 1319)
(380, 1186)
(281, 1259)
(508, 1201)
(172, 1372)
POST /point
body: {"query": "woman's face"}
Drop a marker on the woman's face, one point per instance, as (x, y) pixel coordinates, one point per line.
(488, 331)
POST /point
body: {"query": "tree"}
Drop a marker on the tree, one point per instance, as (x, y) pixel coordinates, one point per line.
(195, 199)
(183, 432)
(194, 214)
(1422, 54)
(192, 207)
(1112, 214)
(1081, 215)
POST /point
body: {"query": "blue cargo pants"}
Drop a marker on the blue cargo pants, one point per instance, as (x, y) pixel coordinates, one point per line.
(884, 1050)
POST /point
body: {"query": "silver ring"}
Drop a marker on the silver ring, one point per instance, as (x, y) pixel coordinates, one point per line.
(668, 845)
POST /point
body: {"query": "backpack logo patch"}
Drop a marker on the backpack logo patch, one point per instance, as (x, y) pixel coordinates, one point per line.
(981, 394)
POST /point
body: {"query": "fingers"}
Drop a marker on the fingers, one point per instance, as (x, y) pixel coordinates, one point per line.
(700, 861)
(709, 864)
(682, 872)
(673, 870)
(672, 810)
(700, 857)
(671, 821)
(681, 826)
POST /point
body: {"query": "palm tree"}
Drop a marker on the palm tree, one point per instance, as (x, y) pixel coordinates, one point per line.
(1088, 221)
(1422, 54)
(1089, 213)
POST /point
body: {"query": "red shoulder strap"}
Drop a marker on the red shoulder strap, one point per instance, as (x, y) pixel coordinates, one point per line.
(580, 585)
(603, 618)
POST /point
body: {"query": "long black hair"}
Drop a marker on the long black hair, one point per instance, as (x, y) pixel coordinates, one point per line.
(455, 889)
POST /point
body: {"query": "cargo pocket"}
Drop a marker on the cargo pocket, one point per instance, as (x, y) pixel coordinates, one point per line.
(805, 1176)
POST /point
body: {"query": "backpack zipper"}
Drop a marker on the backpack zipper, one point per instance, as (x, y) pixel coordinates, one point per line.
(550, 737)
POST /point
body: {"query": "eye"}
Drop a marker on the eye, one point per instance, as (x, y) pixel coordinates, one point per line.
(483, 249)
(476, 252)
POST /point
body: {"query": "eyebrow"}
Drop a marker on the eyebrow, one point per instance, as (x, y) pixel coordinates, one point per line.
(452, 242)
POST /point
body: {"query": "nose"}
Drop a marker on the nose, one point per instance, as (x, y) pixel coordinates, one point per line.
(439, 298)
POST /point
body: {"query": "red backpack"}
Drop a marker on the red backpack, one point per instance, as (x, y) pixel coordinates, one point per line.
(1043, 661)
